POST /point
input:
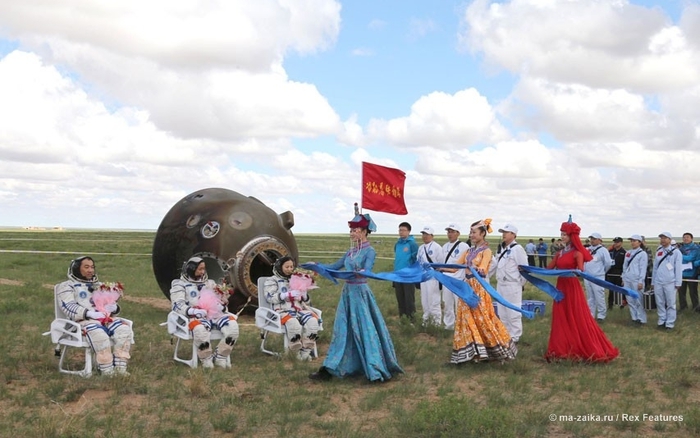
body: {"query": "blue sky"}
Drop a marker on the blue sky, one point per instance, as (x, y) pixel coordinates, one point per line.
(388, 56)
(524, 111)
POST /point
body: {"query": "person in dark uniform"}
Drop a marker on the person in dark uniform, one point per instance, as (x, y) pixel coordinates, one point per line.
(614, 274)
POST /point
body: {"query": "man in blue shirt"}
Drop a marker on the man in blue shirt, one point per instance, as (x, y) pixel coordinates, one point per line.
(531, 250)
(691, 259)
(405, 253)
(542, 253)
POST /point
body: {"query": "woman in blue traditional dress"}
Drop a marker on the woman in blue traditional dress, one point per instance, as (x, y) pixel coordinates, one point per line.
(361, 343)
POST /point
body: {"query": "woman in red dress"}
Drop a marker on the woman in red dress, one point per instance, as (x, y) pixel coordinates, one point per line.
(575, 335)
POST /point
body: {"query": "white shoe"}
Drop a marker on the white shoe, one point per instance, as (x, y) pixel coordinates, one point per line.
(121, 371)
(207, 363)
(304, 355)
(109, 372)
(221, 362)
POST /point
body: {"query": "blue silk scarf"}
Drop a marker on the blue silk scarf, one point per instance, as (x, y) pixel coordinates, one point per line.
(419, 273)
(549, 289)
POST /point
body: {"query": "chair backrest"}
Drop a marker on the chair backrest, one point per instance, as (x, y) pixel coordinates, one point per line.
(58, 311)
(262, 299)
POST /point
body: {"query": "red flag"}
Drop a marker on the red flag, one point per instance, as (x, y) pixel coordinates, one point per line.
(382, 189)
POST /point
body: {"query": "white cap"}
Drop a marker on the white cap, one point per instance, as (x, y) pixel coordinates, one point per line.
(636, 237)
(595, 236)
(453, 227)
(428, 230)
(673, 242)
(509, 228)
(665, 234)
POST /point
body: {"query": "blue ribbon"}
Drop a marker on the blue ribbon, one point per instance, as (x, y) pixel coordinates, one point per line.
(548, 288)
(487, 287)
(417, 273)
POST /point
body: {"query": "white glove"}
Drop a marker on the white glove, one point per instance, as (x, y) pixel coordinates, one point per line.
(284, 296)
(197, 313)
(295, 295)
(111, 308)
(93, 314)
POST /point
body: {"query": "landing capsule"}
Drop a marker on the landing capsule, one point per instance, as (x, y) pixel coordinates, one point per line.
(239, 238)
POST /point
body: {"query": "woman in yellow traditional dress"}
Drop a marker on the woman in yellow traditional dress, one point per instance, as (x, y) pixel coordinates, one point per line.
(479, 334)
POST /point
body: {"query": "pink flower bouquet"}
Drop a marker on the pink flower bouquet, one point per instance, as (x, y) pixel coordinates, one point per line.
(105, 295)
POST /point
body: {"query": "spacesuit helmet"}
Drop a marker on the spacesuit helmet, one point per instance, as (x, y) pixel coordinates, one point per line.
(74, 270)
(190, 267)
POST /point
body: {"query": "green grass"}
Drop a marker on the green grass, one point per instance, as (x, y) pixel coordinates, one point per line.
(656, 373)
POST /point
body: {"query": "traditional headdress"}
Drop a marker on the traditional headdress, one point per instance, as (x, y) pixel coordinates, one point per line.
(190, 267)
(362, 221)
(74, 270)
(485, 224)
(574, 231)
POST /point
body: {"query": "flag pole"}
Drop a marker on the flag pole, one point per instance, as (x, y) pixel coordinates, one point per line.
(362, 178)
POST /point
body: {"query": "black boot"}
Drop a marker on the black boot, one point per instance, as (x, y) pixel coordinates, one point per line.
(322, 374)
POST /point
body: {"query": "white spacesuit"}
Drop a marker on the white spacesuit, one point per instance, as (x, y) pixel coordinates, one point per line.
(185, 293)
(301, 324)
(100, 328)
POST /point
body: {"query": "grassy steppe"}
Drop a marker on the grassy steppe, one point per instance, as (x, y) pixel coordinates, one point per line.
(656, 374)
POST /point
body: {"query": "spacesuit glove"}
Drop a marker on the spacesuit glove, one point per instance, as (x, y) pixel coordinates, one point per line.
(295, 295)
(111, 308)
(197, 313)
(284, 296)
(93, 314)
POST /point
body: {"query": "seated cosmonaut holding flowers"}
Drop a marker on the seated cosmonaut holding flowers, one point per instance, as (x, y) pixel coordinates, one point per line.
(93, 305)
(203, 302)
(287, 291)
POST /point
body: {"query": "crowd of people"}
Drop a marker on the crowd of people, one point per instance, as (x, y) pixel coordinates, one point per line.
(669, 272)
(361, 343)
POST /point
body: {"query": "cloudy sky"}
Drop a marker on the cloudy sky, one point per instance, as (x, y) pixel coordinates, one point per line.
(524, 111)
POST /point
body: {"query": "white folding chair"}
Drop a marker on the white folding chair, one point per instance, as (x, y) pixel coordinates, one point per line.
(66, 333)
(178, 327)
(268, 321)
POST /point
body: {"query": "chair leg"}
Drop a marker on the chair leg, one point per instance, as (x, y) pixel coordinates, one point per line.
(61, 356)
(176, 354)
(60, 360)
(191, 362)
(177, 345)
(85, 372)
(263, 336)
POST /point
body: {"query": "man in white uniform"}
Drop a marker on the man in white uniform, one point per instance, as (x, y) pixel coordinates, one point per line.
(509, 281)
(666, 278)
(430, 252)
(634, 270)
(452, 251)
(597, 267)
